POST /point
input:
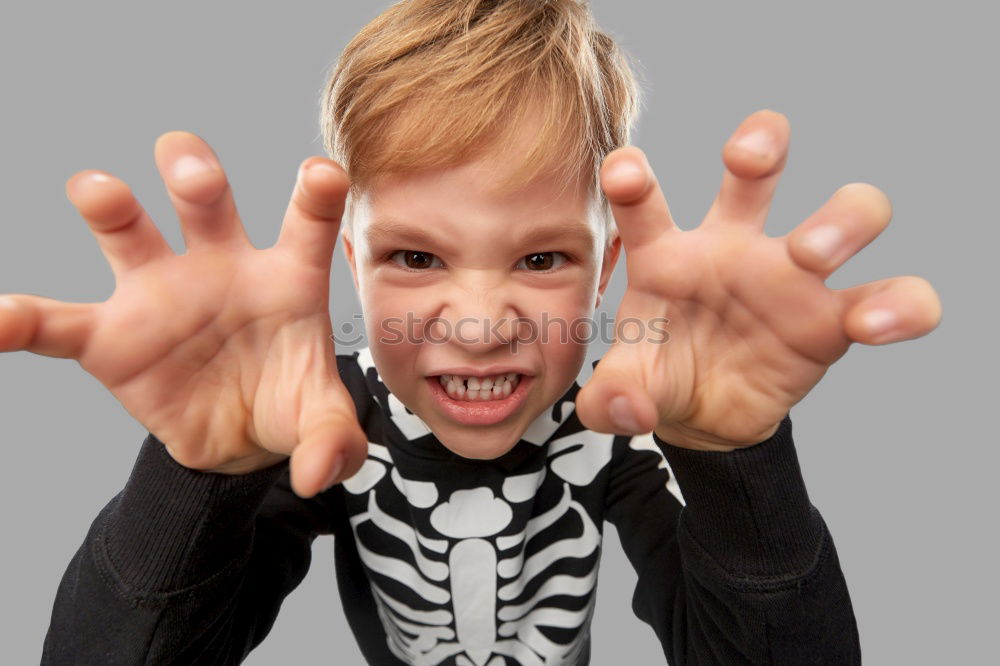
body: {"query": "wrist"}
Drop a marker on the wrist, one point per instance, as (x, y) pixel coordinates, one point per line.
(700, 440)
(254, 462)
(250, 464)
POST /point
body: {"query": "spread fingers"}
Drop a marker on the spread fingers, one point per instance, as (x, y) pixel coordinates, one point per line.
(890, 310)
(124, 231)
(200, 192)
(755, 158)
(312, 219)
(851, 219)
(44, 326)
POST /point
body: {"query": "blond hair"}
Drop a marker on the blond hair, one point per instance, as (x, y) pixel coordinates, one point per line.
(434, 83)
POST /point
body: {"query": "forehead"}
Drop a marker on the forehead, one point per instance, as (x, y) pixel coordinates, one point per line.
(450, 202)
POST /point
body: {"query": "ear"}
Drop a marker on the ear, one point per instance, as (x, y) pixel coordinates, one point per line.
(608, 267)
(349, 254)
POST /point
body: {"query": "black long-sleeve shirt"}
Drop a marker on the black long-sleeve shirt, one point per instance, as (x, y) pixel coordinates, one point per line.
(446, 560)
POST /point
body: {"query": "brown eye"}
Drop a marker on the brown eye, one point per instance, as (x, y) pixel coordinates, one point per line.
(416, 260)
(543, 261)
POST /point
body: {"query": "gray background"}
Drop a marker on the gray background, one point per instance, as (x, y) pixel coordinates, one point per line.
(897, 443)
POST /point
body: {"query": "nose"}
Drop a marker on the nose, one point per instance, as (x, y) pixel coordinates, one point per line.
(479, 316)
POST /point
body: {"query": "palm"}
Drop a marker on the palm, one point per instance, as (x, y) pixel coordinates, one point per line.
(225, 352)
(752, 326)
(729, 351)
(211, 351)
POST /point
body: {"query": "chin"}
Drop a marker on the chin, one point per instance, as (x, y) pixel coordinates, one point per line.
(480, 450)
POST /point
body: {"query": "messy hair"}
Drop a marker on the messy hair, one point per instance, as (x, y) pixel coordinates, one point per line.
(435, 83)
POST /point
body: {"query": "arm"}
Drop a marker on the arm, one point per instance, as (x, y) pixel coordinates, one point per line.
(226, 353)
(184, 566)
(752, 328)
(745, 571)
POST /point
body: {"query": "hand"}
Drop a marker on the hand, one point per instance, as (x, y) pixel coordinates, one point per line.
(752, 326)
(225, 352)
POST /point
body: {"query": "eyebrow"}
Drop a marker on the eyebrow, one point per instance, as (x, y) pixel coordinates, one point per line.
(568, 231)
(388, 230)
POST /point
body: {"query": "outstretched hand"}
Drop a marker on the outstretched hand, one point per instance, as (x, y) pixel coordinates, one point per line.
(225, 352)
(752, 326)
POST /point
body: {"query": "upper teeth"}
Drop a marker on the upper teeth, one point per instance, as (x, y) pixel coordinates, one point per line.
(479, 388)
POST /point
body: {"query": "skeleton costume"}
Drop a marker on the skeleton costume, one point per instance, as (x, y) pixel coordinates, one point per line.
(443, 560)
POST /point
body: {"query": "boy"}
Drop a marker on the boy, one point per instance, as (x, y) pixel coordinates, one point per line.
(470, 532)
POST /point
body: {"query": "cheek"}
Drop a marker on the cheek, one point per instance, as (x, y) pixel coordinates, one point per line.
(386, 294)
(390, 323)
(566, 326)
(566, 305)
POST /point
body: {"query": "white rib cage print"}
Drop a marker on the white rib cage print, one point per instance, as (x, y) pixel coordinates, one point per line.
(476, 582)
(459, 587)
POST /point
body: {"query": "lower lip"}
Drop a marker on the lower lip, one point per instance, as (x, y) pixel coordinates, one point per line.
(479, 412)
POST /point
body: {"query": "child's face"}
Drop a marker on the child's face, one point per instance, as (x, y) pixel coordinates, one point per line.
(445, 264)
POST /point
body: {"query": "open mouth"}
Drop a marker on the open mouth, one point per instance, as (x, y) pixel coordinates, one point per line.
(479, 400)
(481, 389)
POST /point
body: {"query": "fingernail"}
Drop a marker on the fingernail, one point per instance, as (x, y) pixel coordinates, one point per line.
(622, 415)
(189, 165)
(99, 177)
(823, 241)
(758, 143)
(325, 167)
(321, 167)
(626, 170)
(334, 473)
(75, 182)
(880, 321)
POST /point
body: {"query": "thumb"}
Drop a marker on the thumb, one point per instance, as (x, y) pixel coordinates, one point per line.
(332, 448)
(615, 400)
